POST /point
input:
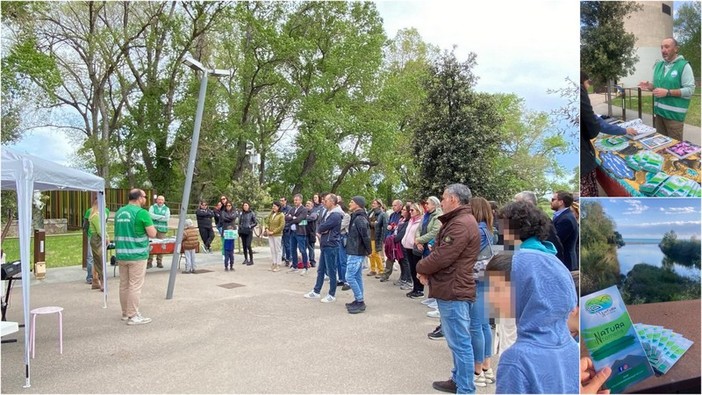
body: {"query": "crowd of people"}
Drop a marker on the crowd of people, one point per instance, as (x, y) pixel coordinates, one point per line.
(446, 252)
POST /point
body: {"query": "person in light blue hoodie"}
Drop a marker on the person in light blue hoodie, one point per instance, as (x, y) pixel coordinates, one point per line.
(545, 358)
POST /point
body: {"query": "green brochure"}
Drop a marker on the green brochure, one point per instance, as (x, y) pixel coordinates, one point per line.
(663, 346)
(611, 338)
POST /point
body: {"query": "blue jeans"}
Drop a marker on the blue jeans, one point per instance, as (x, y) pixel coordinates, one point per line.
(455, 321)
(342, 259)
(228, 258)
(89, 264)
(287, 255)
(299, 242)
(327, 265)
(480, 333)
(354, 267)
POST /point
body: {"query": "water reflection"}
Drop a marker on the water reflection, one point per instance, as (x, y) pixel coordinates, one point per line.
(631, 254)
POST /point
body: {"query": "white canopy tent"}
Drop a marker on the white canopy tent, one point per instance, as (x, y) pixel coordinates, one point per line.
(26, 174)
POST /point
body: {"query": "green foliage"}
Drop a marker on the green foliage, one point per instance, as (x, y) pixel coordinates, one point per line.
(684, 252)
(318, 91)
(598, 249)
(617, 240)
(687, 31)
(650, 284)
(456, 135)
(529, 149)
(599, 267)
(607, 51)
(249, 190)
(596, 227)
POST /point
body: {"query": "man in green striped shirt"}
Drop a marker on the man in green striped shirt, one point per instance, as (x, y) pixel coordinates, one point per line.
(133, 227)
(160, 214)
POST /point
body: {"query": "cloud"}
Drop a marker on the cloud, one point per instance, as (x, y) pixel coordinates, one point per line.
(635, 207)
(47, 143)
(544, 52)
(663, 223)
(679, 210)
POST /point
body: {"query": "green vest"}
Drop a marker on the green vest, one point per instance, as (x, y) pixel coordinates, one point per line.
(131, 240)
(670, 107)
(89, 232)
(161, 225)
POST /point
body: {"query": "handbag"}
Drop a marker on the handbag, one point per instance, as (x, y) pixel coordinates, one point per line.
(416, 251)
(483, 257)
(486, 253)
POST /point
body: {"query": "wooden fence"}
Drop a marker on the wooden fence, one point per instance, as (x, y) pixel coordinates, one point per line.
(72, 205)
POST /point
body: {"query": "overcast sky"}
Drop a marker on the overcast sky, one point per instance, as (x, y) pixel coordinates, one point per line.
(522, 47)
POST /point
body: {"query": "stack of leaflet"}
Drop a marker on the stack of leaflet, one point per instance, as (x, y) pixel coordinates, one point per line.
(663, 346)
(616, 143)
(641, 129)
(683, 149)
(645, 160)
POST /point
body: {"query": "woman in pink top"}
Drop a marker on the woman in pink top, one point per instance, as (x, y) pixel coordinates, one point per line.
(415, 221)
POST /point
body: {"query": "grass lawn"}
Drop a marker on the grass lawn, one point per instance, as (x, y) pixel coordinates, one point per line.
(693, 113)
(66, 249)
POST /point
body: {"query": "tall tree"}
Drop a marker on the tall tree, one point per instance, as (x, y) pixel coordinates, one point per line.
(687, 31)
(598, 256)
(153, 78)
(80, 43)
(335, 71)
(529, 148)
(607, 51)
(456, 135)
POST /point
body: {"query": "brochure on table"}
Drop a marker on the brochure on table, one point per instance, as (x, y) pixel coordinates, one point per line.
(641, 129)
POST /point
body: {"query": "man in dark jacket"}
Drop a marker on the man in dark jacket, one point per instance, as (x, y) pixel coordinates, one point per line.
(297, 218)
(358, 247)
(329, 238)
(287, 233)
(448, 271)
(204, 224)
(566, 227)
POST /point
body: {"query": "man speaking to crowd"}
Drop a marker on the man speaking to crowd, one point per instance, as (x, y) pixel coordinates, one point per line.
(673, 85)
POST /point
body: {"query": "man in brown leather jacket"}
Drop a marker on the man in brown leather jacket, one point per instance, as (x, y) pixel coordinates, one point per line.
(448, 271)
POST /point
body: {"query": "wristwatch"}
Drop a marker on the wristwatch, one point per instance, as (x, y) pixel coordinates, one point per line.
(668, 93)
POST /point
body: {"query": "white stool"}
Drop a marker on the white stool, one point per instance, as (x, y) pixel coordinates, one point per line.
(32, 329)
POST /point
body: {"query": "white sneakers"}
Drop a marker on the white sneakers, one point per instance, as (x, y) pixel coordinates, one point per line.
(328, 299)
(479, 380)
(489, 376)
(312, 295)
(138, 320)
(433, 314)
(302, 271)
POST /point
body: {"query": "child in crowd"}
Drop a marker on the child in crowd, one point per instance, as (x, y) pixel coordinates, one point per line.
(545, 358)
(190, 243)
(229, 239)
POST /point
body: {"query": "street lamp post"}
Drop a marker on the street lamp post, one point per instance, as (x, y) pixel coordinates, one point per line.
(206, 72)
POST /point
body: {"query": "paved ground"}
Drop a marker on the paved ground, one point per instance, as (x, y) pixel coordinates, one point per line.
(261, 337)
(690, 133)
